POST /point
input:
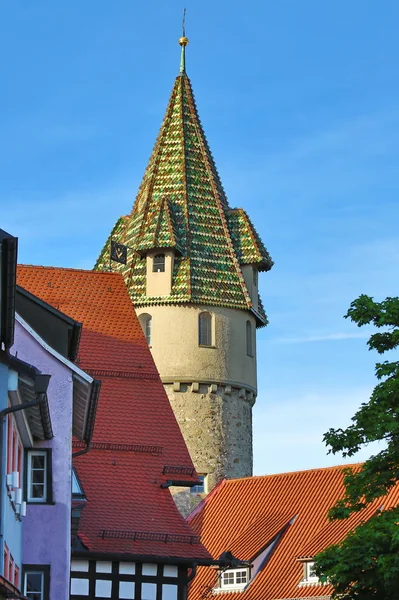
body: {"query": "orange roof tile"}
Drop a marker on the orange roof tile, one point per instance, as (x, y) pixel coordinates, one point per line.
(243, 515)
(135, 434)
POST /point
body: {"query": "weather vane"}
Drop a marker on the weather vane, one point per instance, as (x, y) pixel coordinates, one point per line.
(184, 23)
(183, 41)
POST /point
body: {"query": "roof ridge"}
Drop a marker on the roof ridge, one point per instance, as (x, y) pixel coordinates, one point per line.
(215, 183)
(287, 473)
(91, 271)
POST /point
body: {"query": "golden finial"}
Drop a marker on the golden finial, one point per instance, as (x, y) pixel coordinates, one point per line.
(183, 41)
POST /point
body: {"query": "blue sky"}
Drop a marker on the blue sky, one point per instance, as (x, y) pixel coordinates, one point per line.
(299, 100)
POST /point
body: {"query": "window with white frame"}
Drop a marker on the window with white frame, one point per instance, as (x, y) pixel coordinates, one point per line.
(309, 575)
(36, 582)
(234, 579)
(38, 471)
(34, 585)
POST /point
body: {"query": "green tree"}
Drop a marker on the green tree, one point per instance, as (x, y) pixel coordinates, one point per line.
(365, 565)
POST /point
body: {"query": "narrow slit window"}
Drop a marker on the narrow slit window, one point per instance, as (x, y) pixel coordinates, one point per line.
(249, 338)
(205, 329)
(158, 264)
(255, 277)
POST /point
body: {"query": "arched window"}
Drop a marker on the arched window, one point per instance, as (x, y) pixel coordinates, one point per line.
(158, 264)
(249, 338)
(205, 329)
(146, 325)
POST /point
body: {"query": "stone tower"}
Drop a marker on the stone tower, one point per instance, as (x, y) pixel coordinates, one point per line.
(192, 273)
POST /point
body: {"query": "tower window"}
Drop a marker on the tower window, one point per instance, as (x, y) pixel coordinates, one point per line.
(146, 325)
(200, 488)
(158, 264)
(205, 329)
(249, 338)
(255, 277)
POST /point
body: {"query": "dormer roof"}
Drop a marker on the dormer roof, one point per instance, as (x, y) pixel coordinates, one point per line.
(181, 204)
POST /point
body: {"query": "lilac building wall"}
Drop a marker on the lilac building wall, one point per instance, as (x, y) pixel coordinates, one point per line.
(47, 528)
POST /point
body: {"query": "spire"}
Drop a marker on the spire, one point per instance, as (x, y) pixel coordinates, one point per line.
(183, 41)
(181, 205)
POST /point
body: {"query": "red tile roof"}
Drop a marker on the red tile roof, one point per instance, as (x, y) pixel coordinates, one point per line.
(135, 435)
(244, 515)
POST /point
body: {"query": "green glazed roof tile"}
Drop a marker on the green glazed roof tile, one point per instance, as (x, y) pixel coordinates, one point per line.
(181, 204)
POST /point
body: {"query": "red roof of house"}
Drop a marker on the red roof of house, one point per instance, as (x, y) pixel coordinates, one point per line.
(136, 434)
(245, 515)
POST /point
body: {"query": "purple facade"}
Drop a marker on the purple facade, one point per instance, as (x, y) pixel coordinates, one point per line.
(47, 527)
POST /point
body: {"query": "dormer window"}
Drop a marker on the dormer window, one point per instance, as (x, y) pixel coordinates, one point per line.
(158, 264)
(233, 580)
(309, 575)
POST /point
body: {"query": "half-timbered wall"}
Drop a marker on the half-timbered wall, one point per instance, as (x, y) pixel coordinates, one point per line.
(124, 580)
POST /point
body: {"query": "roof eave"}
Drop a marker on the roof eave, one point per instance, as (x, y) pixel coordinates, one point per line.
(85, 399)
(144, 251)
(171, 560)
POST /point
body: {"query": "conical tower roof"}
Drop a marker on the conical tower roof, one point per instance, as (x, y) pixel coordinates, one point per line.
(181, 205)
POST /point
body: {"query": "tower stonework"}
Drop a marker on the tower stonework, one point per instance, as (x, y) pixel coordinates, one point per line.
(192, 273)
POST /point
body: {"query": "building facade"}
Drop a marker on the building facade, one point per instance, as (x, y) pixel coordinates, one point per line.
(47, 469)
(45, 399)
(191, 264)
(128, 538)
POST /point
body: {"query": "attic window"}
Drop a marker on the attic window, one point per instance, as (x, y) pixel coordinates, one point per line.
(158, 264)
(309, 575)
(234, 579)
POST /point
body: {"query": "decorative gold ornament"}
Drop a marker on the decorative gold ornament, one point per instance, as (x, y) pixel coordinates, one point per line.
(183, 41)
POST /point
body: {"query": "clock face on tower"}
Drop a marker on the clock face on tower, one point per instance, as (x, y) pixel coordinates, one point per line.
(118, 252)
